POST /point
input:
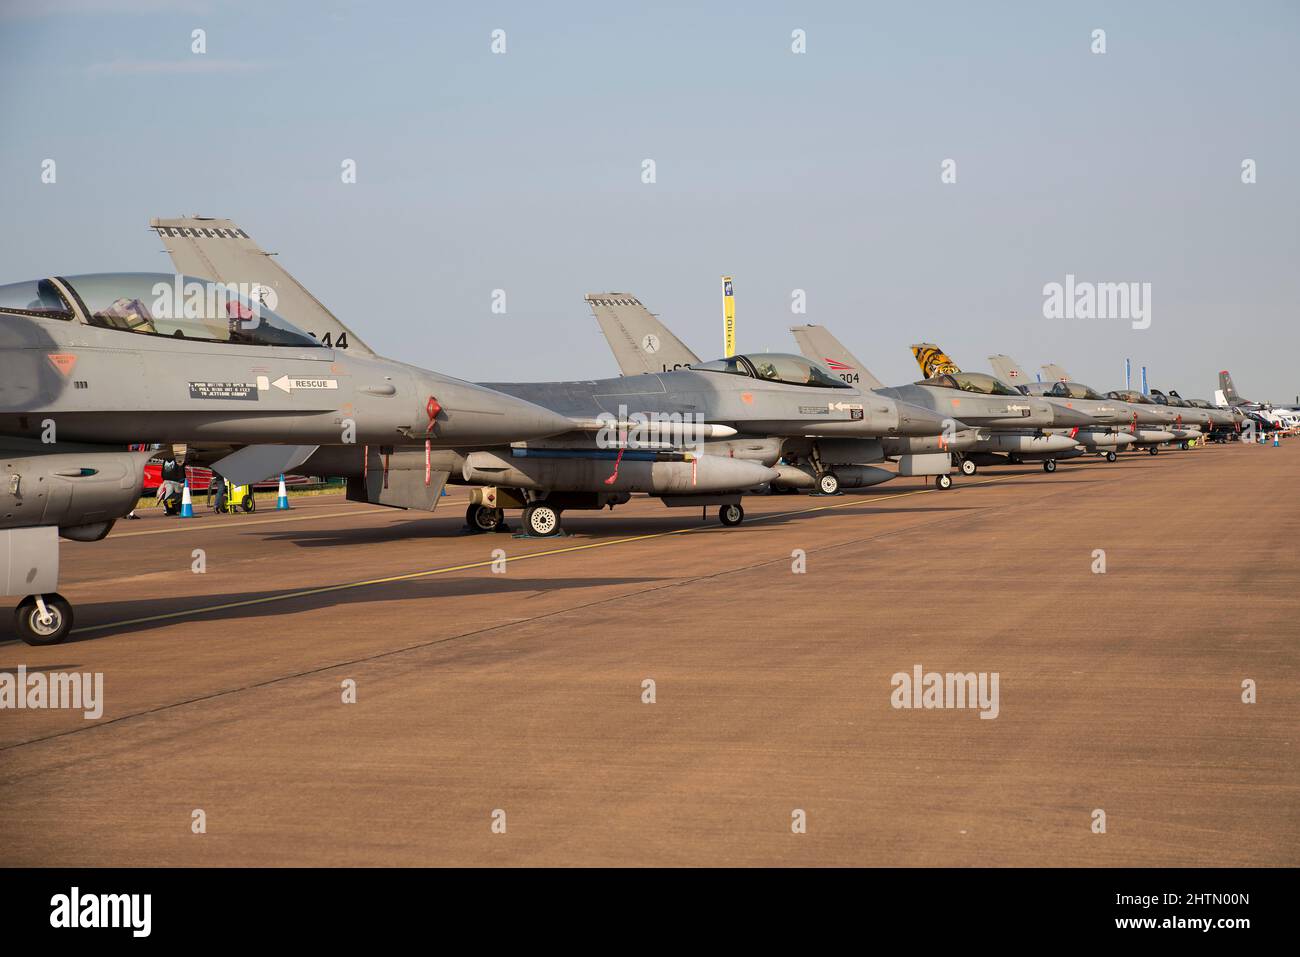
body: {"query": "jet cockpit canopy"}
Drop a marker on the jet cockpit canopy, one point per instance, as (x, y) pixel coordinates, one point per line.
(775, 367)
(181, 307)
(1073, 390)
(971, 382)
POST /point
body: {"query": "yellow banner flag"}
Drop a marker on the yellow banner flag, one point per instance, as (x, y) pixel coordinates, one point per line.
(728, 317)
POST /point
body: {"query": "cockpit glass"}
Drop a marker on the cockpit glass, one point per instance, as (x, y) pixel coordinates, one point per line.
(1074, 390)
(981, 383)
(776, 367)
(183, 307)
(792, 369)
(1128, 395)
(940, 382)
(37, 297)
(732, 365)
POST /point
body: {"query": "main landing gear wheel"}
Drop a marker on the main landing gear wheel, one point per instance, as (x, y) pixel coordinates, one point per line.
(1153, 450)
(732, 515)
(43, 628)
(968, 467)
(943, 481)
(828, 483)
(1111, 456)
(483, 518)
(542, 520)
(1049, 465)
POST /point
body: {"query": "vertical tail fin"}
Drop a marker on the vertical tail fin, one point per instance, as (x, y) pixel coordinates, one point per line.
(1008, 370)
(639, 341)
(218, 249)
(932, 360)
(1229, 390)
(1054, 373)
(816, 343)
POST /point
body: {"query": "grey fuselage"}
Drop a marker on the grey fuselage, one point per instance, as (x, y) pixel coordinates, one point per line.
(993, 412)
(752, 406)
(115, 386)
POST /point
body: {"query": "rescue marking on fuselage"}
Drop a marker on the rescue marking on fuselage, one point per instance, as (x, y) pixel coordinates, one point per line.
(287, 383)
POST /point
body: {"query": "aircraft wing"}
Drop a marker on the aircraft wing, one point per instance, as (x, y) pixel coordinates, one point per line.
(218, 249)
(640, 342)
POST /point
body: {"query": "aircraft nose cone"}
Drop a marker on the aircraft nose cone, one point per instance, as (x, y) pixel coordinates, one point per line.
(1063, 415)
(915, 420)
(469, 414)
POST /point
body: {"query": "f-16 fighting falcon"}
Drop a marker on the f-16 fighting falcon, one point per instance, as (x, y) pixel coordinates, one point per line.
(92, 364)
(641, 343)
(692, 437)
(1007, 425)
(1151, 423)
(1113, 418)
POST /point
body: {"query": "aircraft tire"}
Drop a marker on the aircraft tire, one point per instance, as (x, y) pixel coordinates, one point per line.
(968, 467)
(30, 628)
(1049, 466)
(943, 481)
(1153, 450)
(542, 520)
(1111, 456)
(482, 518)
(731, 515)
(828, 483)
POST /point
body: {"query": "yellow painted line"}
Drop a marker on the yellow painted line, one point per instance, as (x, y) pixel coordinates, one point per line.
(429, 573)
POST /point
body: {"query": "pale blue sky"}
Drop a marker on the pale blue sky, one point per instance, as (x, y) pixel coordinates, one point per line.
(818, 172)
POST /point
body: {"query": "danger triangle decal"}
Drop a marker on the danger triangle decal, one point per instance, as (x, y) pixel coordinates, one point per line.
(63, 361)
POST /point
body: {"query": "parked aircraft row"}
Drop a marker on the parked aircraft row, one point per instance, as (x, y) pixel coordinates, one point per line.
(232, 361)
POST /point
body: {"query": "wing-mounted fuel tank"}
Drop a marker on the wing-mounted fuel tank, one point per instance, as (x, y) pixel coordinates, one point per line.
(605, 470)
(82, 493)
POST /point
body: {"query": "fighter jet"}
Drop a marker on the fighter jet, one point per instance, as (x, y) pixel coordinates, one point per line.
(1107, 437)
(1152, 424)
(642, 343)
(91, 364)
(1006, 426)
(1197, 415)
(691, 437)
